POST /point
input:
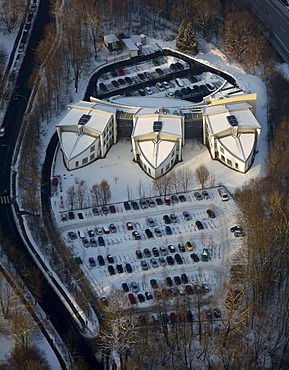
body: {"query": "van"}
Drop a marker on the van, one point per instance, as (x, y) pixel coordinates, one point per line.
(223, 193)
(81, 234)
(179, 82)
(105, 229)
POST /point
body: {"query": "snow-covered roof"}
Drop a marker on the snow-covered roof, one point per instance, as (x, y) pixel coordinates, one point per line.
(240, 146)
(217, 117)
(156, 102)
(73, 144)
(156, 151)
(130, 44)
(111, 38)
(170, 124)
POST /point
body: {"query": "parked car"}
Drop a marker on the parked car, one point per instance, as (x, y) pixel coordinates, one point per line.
(210, 213)
(173, 218)
(112, 228)
(205, 255)
(100, 260)
(131, 298)
(170, 260)
(85, 242)
(159, 201)
(181, 247)
(103, 87)
(189, 246)
(141, 297)
(174, 199)
(199, 225)
(93, 242)
(159, 86)
(90, 233)
(153, 283)
(189, 289)
(154, 262)
(147, 253)
(136, 235)
(148, 295)
(158, 232)
(149, 234)
(155, 251)
(129, 225)
(177, 280)
(167, 201)
(236, 228)
(178, 259)
(92, 262)
(198, 195)
(184, 278)
(159, 71)
(134, 205)
(143, 203)
(172, 249)
(186, 216)
(151, 203)
(169, 281)
(72, 235)
(111, 270)
(182, 198)
(151, 222)
(162, 261)
(110, 259)
(134, 287)
(195, 257)
(205, 194)
(98, 231)
(101, 241)
(125, 287)
(119, 268)
(144, 265)
(105, 210)
(128, 268)
(126, 205)
(168, 230)
(166, 219)
(163, 251)
(148, 90)
(138, 254)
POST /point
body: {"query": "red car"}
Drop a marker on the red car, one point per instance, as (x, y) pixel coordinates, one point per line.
(131, 298)
(129, 226)
(112, 208)
(120, 71)
(167, 201)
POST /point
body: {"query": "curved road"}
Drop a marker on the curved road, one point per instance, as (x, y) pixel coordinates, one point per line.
(276, 17)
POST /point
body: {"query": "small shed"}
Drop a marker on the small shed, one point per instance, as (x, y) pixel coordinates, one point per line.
(131, 47)
(111, 42)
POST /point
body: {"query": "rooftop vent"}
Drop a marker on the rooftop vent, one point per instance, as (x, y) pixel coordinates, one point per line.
(232, 120)
(84, 119)
(158, 126)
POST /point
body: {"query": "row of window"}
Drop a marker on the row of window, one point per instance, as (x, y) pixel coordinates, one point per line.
(229, 162)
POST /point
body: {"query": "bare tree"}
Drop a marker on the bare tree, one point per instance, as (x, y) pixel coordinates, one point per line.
(185, 176)
(95, 193)
(202, 174)
(81, 191)
(71, 196)
(105, 191)
(12, 13)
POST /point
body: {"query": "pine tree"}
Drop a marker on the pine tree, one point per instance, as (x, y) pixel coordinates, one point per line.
(186, 39)
(180, 37)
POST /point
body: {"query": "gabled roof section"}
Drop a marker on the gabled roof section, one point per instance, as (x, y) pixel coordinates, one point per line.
(156, 152)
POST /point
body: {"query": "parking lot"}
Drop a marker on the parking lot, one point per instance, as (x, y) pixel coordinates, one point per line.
(162, 246)
(163, 76)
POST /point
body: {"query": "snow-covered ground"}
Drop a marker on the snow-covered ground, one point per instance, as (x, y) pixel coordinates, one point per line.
(125, 176)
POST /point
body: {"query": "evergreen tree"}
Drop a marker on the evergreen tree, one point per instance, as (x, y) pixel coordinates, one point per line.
(186, 39)
(180, 37)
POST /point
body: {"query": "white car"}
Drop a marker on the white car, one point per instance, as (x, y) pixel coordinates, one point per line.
(148, 90)
(159, 86)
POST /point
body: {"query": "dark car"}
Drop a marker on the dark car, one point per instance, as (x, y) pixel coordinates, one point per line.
(80, 215)
(195, 257)
(119, 268)
(112, 208)
(173, 67)
(182, 248)
(71, 215)
(127, 206)
(147, 253)
(148, 233)
(205, 194)
(210, 213)
(148, 295)
(177, 280)
(115, 83)
(182, 198)
(120, 71)
(184, 278)
(159, 201)
(128, 268)
(125, 287)
(189, 289)
(159, 71)
(173, 218)
(111, 270)
(172, 249)
(170, 260)
(154, 283)
(141, 76)
(236, 228)
(90, 233)
(198, 195)
(169, 281)
(103, 87)
(174, 199)
(178, 259)
(128, 80)
(141, 92)
(101, 241)
(110, 259)
(113, 73)
(179, 66)
(121, 81)
(136, 235)
(141, 297)
(135, 205)
(166, 219)
(105, 210)
(92, 262)
(101, 260)
(168, 230)
(155, 251)
(199, 225)
(138, 254)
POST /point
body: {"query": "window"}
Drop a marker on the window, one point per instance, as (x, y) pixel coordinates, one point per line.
(76, 164)
(92, 148)
(85, 160)
(229, 162)
(236, 166)
(222, 158)
(92, 157)
(162, 171)
(149, 170)
(221, 149)
(168, 166)
(173, 153)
